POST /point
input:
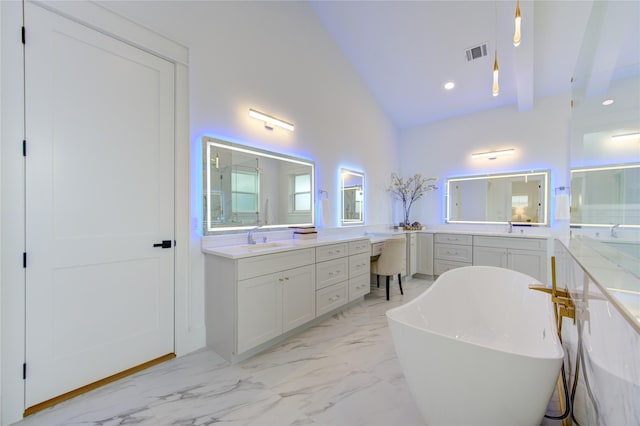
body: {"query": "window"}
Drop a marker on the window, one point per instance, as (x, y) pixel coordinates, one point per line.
(301, 193)
(519, 201)
(244, 191)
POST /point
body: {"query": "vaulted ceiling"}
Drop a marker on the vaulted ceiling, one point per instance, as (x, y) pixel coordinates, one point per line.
(405, 51)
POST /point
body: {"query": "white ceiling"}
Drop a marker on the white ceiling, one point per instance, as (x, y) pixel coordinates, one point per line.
(406, 50)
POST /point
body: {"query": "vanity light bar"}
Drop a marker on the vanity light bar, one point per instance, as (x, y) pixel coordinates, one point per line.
(493, 154)
(625, 137)
(268, 119)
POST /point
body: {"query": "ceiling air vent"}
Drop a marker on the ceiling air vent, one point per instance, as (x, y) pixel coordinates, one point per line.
(476, 52)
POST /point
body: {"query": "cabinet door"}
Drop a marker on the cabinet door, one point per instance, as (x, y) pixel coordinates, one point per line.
(298, 297)
(442, 266)
(424, 255)
(358, 287)
(532, 263)
(490, 256)
(259, 310)
(411, 255)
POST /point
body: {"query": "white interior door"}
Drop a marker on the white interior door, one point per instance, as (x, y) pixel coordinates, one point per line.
(100, 193)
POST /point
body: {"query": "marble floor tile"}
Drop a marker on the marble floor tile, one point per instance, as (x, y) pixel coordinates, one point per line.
(342, 371)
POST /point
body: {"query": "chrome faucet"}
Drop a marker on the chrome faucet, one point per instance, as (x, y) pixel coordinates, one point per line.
(250, 239)
(614, 234)
(510, 226)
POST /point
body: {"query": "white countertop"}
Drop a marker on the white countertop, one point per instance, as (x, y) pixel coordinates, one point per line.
(248, 250)
(515, 234)
(281, 244)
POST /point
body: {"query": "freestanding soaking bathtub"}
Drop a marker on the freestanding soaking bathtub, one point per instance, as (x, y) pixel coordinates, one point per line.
(479, 348)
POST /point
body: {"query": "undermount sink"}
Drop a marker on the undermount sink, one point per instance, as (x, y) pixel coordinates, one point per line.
(273, 245)
(265, 246)
(250, 249)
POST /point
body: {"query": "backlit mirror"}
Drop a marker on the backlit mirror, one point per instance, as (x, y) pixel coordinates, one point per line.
(352, 190)
(605, 137)
(519, 198)
(606, 196)
(245, 187)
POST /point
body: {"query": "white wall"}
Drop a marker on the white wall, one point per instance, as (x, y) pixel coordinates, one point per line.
(443, 149)
(276, 57)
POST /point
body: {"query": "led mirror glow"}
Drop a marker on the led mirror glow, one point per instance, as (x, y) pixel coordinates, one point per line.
(246, 187)
(520, 198)
(352, 191)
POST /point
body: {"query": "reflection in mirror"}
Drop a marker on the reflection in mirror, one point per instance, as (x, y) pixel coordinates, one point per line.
(606, 196)
(606, 105)
(246, 187)
(352, 189)
(519, 198)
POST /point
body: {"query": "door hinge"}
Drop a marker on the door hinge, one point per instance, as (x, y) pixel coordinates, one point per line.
(24, 259)
(24, 371)
(24, 148)
(24, 38)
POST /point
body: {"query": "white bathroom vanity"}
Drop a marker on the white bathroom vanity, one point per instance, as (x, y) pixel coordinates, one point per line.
(257, 295)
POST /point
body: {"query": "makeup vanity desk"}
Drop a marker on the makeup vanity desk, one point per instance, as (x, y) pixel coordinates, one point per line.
(434, 252)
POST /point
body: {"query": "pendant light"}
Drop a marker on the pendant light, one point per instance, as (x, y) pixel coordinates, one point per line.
(516, 34)
(495, 89)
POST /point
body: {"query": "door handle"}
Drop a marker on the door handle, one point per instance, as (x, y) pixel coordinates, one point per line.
(163, 244)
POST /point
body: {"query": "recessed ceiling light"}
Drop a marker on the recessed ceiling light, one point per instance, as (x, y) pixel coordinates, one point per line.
(607, 102)
(449, 85)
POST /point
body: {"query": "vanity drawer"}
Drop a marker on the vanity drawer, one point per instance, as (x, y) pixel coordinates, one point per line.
(359, 264)
(511, 242)
(453, 239)
(442, 266)
(377, 248)
(454, 252)
(330, 298)
(255, 266)
(331, 272)
(360, 246)
(332, 251)
(358, 287)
